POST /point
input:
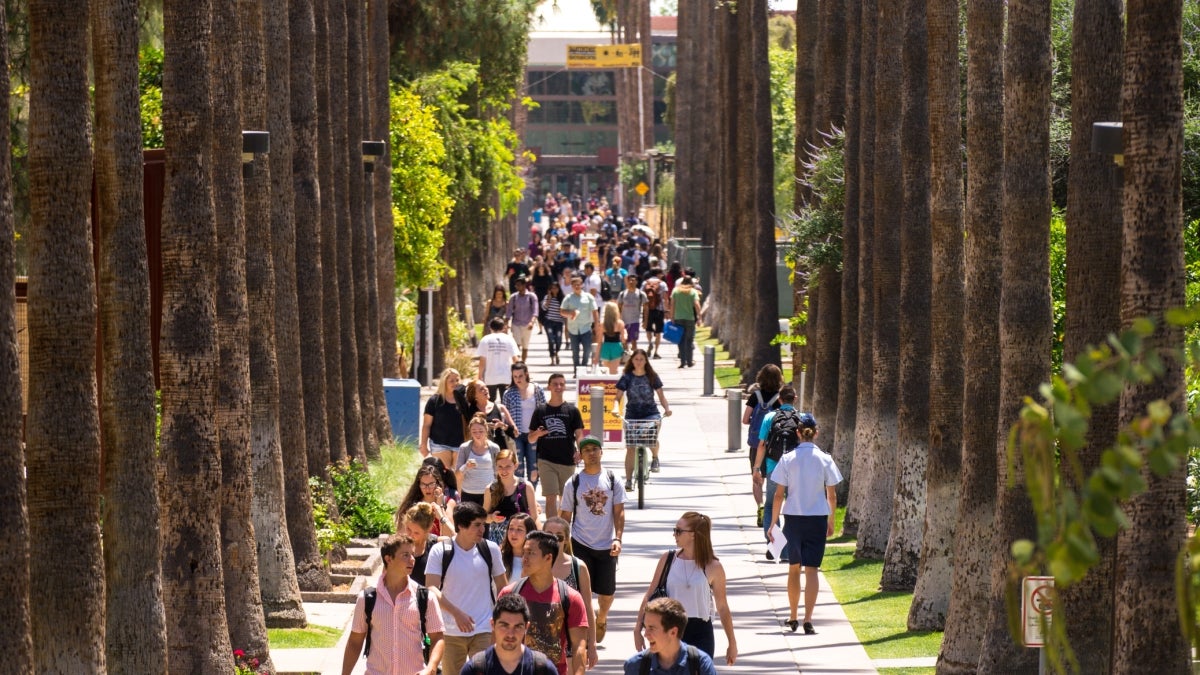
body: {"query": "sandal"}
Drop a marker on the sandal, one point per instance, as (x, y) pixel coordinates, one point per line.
(600, 628)
(792, 624)
(808, 628)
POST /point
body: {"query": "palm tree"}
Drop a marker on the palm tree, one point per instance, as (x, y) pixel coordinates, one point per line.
(189, 360)
(764, 323)
(1026, 323)
(239, 556)
(876, 516)
(931, 597)
(908, 505)
(981, 344)
(15, 641)
(1153, 281)
(307, 194)
(1093, 284)
(276, 564)
(385, 244)
(864, 406)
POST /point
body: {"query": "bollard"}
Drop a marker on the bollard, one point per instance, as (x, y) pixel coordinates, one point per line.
(710, 368)
(596, 418)
(734, 399)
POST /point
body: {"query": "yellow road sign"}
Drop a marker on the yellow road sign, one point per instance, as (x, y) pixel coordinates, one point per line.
(641, 189)
(604, 56)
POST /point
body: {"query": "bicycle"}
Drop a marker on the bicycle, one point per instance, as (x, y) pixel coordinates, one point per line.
(642, 435)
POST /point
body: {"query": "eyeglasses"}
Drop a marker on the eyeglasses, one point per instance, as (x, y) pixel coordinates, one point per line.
(428, 486)
(678, 531)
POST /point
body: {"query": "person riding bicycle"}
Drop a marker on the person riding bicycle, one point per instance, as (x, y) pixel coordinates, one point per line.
(641, 383)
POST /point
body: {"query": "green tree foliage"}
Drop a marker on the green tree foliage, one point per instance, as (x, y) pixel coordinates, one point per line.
(421, 202)
(150, 72)
(816, 231)
(783, 122)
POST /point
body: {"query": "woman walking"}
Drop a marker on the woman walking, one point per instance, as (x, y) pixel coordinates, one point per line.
(521, 398)
(507, 496)
(693, 575)
(429, 489)
(514, 544)
(476, 457)
(553, 321)
(442, 424)
(418, 523)
(612, 349)
(500, 424)
(641, 384)
(497, 306)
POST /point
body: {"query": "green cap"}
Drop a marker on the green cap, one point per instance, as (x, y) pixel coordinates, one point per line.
(591, 440)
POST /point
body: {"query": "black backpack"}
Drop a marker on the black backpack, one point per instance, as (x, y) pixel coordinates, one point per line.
(782, 437)
(481, 662)
(606, 293)
(693, 661)
(563, 600)
(369, 595)
(612, 487)
(484, 550)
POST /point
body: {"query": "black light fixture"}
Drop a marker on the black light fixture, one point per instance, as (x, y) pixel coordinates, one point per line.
(371, 151)
(1108, 139)
(253, 143)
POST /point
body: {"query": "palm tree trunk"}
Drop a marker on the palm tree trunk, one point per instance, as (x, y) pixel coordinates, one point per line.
(981, 345)
(828, 350)
(908, 505)
(765, 323)
(931, 596)
(15, 641)
(1153, 282)
(63, 428)
(189, 359)
(307, 197)
(1026, 323)
(385, 244)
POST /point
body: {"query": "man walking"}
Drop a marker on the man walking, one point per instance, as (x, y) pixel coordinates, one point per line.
(464, 570)
(685, 310)
(656, 302)
(632, 302)
(558, 625)
(595, 501)
(509, 656)
(391, 626)
(666, 654)
(581, 312)
(556, 427)
(522, 310)
(778, 436)
(497, 351)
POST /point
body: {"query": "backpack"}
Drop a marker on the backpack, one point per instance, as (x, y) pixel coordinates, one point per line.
(756, 416)
(606, 293)
(484, 550)
(653, 301)
(693, 661)
(612, 487)
(563, 600)
(782, 437)
(369, 595)
(481, 662)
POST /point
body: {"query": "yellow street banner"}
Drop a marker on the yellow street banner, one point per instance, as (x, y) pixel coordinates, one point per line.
(604, 56)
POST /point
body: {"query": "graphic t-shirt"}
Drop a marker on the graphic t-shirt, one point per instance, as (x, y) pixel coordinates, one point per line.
(592, 517)
(639, 392)
(545, 633)
(561, 422)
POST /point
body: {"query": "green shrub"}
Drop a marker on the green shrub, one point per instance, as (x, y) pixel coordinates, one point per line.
(359, 501)
(330, 533)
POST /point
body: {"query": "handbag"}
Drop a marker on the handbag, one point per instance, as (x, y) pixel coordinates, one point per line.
(672, 332)
(660, 591)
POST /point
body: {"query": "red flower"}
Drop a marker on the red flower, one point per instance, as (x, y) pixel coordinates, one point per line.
(239, 653)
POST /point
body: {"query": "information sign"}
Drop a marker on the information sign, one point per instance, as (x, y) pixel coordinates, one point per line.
(604, 56)
(1037, 607)
(612, 423)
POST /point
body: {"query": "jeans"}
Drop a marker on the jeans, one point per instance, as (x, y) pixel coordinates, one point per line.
(768, 503)
(582, 341)
(553, 335)
(687, 342)
(526, 456)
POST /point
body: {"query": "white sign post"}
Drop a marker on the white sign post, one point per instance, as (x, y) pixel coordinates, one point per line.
(1037, 609)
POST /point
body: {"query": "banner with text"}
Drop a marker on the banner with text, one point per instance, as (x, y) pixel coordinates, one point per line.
(604, 56)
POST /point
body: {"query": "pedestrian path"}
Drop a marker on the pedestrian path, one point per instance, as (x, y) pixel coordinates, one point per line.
(698, 474)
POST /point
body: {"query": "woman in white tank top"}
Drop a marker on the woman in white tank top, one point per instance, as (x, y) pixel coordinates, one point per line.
(696, 578)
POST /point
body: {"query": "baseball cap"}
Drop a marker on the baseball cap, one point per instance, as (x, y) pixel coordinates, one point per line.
(591, 440)
(807, 421)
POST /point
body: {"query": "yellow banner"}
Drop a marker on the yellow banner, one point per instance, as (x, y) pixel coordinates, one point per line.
(604, 56)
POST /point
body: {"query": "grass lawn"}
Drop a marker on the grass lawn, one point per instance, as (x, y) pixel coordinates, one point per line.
(313, 637)
(394, 472)
(879, 619)
(727, 376)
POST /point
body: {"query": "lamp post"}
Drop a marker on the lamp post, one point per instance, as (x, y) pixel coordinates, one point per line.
(1108, 139)
(253, 143)
(372, 151)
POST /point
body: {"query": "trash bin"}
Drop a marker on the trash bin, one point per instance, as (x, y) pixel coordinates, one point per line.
(403, 398)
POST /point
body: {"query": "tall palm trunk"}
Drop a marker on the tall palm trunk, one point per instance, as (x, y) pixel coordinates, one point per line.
(1093, 285)
(876, 516)
(189, 360)
(1153, 282)
(847, 402)
(307, 197)
(764, 322)
(239, 554)
(981, 346)
(1026, 323)
(385, 235)
(931, 597)
(15, 642)
(63, 428)
(865, 409)
(908, 505)
(330, 283)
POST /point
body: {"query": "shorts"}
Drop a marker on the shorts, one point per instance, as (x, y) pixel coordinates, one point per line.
(602, 565)
(553, 476)
(805, 539)
(631, 332)
(611, 351)
(522, 334)
(655, 320)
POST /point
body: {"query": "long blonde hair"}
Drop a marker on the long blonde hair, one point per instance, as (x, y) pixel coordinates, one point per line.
(447, 394)
(611, 316)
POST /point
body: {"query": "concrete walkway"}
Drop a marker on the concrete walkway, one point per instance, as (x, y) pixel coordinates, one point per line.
(697, 475)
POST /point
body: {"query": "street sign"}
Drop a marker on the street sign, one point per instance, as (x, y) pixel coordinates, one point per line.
(641, 189)
(604, 56)
(1037, 606)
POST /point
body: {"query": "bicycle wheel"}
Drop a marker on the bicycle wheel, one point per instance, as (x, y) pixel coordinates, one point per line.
(641, 476)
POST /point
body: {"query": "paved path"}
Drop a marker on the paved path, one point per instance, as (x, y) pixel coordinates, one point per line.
(697, 475)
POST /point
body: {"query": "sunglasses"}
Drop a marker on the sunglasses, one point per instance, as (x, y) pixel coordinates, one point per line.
(678, 531)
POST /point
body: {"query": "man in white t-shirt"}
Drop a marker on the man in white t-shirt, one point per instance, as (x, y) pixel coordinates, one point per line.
(591, 281)
(465, 585)
(497, 351)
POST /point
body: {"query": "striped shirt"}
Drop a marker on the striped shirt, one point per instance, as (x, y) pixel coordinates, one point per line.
(512, 401)
(396, 629)
(551, 304)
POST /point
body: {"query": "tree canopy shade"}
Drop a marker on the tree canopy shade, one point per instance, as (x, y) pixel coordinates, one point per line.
(420, 200)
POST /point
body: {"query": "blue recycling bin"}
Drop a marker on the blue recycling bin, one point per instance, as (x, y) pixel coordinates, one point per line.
(403, 399)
